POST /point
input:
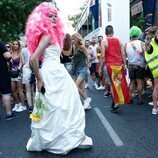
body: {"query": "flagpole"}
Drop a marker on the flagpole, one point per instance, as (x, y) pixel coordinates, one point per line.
(99, 11)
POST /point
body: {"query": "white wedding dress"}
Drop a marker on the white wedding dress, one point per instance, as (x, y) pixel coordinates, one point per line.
(62, 127)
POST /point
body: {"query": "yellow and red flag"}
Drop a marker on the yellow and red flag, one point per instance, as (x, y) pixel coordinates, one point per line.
(119, 84)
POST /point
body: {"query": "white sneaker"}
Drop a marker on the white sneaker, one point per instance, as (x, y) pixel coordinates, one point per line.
(95, 85)
(87, 103)
(16, 107)
(86, 143)
(86, 86)
(100, 88)
(21, 108)
(151, 103)
(154, 111)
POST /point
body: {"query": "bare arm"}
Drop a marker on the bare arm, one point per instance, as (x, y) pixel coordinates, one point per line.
(123, 53)
(103, 46)
(7, 55)
(84, 50)
(43, 44)
(20, 63)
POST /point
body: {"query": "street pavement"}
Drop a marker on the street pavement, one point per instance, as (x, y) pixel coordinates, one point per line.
(132, 133)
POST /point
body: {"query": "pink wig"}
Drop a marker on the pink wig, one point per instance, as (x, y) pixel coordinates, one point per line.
(39, 24)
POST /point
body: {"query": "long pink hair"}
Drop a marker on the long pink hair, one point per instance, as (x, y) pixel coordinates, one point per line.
(39, 24)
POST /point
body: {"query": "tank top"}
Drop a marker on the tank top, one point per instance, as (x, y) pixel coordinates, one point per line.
(79, 59)
(15, 62)
(113, 55)
(135, 53)
(66, 58)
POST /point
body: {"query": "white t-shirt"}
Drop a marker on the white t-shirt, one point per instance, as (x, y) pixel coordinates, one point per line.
(94, 48)
(135, 53)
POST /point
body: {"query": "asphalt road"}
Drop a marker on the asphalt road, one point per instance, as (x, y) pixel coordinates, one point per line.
(132, 133)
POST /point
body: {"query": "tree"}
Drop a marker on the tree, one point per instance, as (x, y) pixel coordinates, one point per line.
(13, 16)
(75, 18)
(137, 20)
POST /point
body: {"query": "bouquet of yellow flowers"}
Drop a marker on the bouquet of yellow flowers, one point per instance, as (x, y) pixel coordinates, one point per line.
(37, 113)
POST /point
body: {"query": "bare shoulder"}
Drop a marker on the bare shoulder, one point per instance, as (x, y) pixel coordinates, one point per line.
(45, 38)
(83, 47)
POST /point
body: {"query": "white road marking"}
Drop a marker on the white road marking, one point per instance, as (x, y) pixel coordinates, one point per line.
(109, 128)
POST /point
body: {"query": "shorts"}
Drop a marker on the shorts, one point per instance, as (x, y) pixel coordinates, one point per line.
(17, 79)
(107, 77)
(26, 75)
(136, 72)
(5, 86)
(81, 71)
(93, 68)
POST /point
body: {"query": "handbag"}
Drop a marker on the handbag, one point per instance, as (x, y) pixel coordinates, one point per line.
(14, 73)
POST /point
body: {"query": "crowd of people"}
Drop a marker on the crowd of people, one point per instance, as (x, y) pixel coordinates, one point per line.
(55, 68)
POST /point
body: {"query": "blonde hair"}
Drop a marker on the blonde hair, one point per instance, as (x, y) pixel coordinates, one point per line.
(78, 37)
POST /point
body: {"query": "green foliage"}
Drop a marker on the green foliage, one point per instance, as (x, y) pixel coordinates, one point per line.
(75, 18)
(13, 16)
(137, 20)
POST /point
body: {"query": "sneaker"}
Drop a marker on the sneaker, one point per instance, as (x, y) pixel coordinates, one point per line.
(12, 116)
(86, 86)
(140, 102)
(115, 109)
(154, 111)
(87, 103)
(107, 94)
(30, 108)
(87, 107)
(151, 103)
(16, 107)
(95, 85)
(86, 143)
(21, 108)
(100, 88)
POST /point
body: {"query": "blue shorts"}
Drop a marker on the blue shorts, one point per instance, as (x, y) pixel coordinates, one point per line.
(107, 77)
(81, 71)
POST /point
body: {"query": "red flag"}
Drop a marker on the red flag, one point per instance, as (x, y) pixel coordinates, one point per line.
(119, 84)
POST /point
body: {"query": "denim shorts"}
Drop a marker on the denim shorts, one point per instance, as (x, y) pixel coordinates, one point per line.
(81, 71)
(68, 67)
(107, 77)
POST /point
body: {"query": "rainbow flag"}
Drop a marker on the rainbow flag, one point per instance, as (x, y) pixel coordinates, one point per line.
(119, 84)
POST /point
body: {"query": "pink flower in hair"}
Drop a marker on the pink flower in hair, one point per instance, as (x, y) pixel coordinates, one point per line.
(39, 23)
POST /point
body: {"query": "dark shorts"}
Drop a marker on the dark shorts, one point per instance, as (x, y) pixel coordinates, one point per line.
(136, 72)
(93, 68)
(148, 73)
(5, 86)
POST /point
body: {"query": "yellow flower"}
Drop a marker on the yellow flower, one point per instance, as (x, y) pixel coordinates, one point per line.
(35, 117)
(38, 110)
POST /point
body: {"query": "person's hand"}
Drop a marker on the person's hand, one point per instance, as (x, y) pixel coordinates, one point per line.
(39, 85)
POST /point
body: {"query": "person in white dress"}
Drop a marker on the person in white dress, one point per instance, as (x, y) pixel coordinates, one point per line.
(61, 126)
